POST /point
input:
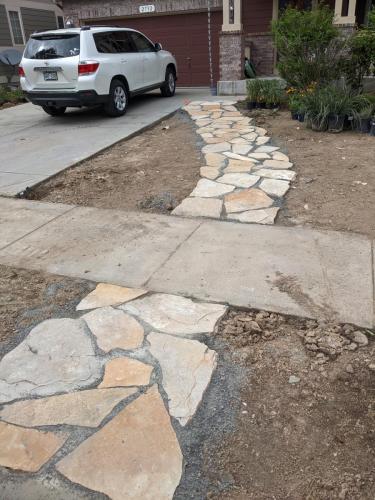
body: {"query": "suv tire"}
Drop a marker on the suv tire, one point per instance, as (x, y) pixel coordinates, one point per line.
(54, 110)
(118, 99)
(168, 88)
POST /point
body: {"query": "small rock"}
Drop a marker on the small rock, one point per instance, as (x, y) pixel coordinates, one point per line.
(360, 338)
(351, 347)
(372, 367)
(294, 380)
(349, 369)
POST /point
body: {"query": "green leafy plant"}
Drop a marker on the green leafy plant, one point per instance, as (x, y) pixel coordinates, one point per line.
(254, 88)
(308, 45)
(361, 57)
(11, 95)
(273, 92)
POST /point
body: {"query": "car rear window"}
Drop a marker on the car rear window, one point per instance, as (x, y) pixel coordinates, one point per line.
(52, 46)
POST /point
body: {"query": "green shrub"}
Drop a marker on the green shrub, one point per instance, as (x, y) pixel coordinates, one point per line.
(361, 57)
(254, 89)
(308, 46)
(265, 91)
(11, 95)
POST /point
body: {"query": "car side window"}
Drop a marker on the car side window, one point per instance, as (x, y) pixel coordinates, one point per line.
(122, 41)
(141, 43)
(105, 43)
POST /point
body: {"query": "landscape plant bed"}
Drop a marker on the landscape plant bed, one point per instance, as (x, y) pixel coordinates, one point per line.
(153, 171)
(335, 183)
(10, 97)
(305, 418)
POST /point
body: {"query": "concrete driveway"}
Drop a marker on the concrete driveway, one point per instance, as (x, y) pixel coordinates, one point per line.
(34, 146)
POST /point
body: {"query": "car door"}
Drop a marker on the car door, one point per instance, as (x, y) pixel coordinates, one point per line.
(151, 59)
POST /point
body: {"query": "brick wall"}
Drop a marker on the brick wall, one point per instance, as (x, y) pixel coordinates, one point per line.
(231, 56)
(91, 9)
(262, 52)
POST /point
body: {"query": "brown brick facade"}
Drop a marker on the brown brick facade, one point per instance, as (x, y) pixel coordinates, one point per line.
(231, 56)
(262, 52)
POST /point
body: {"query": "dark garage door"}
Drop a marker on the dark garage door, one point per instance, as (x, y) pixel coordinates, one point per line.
(186, 36)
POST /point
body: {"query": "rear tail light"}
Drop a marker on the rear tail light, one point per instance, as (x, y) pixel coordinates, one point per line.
(87, 67)
(21, 71)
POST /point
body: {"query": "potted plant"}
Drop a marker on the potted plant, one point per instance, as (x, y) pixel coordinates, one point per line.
(273, 93)
(316, 110)
(364, 119)
(253, 90)
(339, 102)
(294, 103)
(372, 129)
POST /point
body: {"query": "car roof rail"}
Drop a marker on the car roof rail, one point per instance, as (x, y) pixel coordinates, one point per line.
(88, 27)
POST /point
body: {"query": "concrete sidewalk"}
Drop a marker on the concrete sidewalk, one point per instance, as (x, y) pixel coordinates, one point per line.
(34, 146)
(319, 274)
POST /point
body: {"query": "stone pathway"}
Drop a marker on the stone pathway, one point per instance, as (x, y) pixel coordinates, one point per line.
(120, 371)
(245, 176)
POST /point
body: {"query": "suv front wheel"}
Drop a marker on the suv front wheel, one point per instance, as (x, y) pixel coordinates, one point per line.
(168, 88)
(118, 99)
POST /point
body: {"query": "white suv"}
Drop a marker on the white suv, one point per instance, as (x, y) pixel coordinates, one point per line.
(93, 65)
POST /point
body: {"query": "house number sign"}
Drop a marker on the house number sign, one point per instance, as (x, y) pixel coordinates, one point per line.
(145, 9)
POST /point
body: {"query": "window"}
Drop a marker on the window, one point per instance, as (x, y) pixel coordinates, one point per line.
(113, 42)
(52, 46)
(141, 43)
(16, 27)
(60, 22)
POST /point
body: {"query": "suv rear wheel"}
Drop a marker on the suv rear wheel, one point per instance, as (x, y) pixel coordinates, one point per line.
(54, 110)
(168, 88)
(118, 99)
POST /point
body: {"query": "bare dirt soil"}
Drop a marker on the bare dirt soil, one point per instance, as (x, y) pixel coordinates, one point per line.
(335, 184)
(306, 423)
(153, 171)
(28, 297)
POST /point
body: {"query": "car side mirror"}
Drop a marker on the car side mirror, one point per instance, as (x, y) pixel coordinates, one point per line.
(158, 47)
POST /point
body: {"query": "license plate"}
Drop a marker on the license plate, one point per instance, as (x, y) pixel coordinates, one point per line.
(50, 75)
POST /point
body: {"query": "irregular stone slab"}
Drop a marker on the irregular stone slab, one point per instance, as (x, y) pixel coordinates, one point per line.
(206, 135)
(260, 131)
(211, 107)
(239, 140)
(204, 122)
(175, 314)
(27, 449)
(280, 156)
(262, 216)
(266, 149)
(135, 456)
(277, 164)
(125, 372)
(239, 166)
(215, 160)
(199, 207)
(234, 156)
(239, 179)
(209, 172)
(209, 189)
(250, 199)
(56, 356)
(84, 408)
(216, 148)
(241, 149)
(214, 140)
(251, 137)
(109, 295)
(274, 187)
(287, 175)
(187, 367)
(114, 329)
(259, 156)
(262, 140)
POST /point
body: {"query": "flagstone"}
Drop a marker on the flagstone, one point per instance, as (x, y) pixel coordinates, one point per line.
(204, 130)
(216, 115)
(204, 122)
(277, 164)
(209, 172)
(135, 456)
(266, 149)
(241, 180)
(84, 408)
(210, 189)
(206, 135)
(27, 449)
(235, 156)
(215, 160)
(109, 295)
(239, 140)
(216, 148)
(229, 108)
(259, 156)
(210, 107)
(250, 199)
(187, 367)
(214, 140)
(262, 140)
(241, 149)
(114, 329)
(57, 356)
(274, 187)
(175, 314)
(280, 156)
(260, 131)
(125, 372)
(199, 207)
(250, 137)
(287, 175)
(262, 216)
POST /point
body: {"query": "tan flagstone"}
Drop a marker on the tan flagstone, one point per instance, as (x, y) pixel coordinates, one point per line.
(260, 131)
(211, 107)
(175, 314)
(243, 164)
(216, 148)
(249, 199)
(250, 137)
(204, 130)
(215, 160)
(204, 122)
(209, 172)
(277, 164)
(280, 156)
(244, 167)
(125, 372)
(213, 140)
(239, 179)
(84, 408)
(187, 367)
(235, 156)
(239, 140)
(262, 216)
(210, 189)
(262, 140)
(274, 187)
(109, 295)
(199, 207)
(114, 329)
(287, 175)
(241, 149)
(216, 115)
(259, 156)
(27, 449)
(136, 456)
(231, 113)
(266, 149)
(206, 135)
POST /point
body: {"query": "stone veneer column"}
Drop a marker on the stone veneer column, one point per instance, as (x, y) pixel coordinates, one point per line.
(231, 42)
(348, 19)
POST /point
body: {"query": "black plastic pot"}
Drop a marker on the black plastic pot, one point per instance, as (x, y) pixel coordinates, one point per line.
(372, 129)
(272, 105)
(261, 105)
(336, 123)
(349, 122)
(251, 104)
(301, 117)
(294, 115)
(317, 126)
(364, 125)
